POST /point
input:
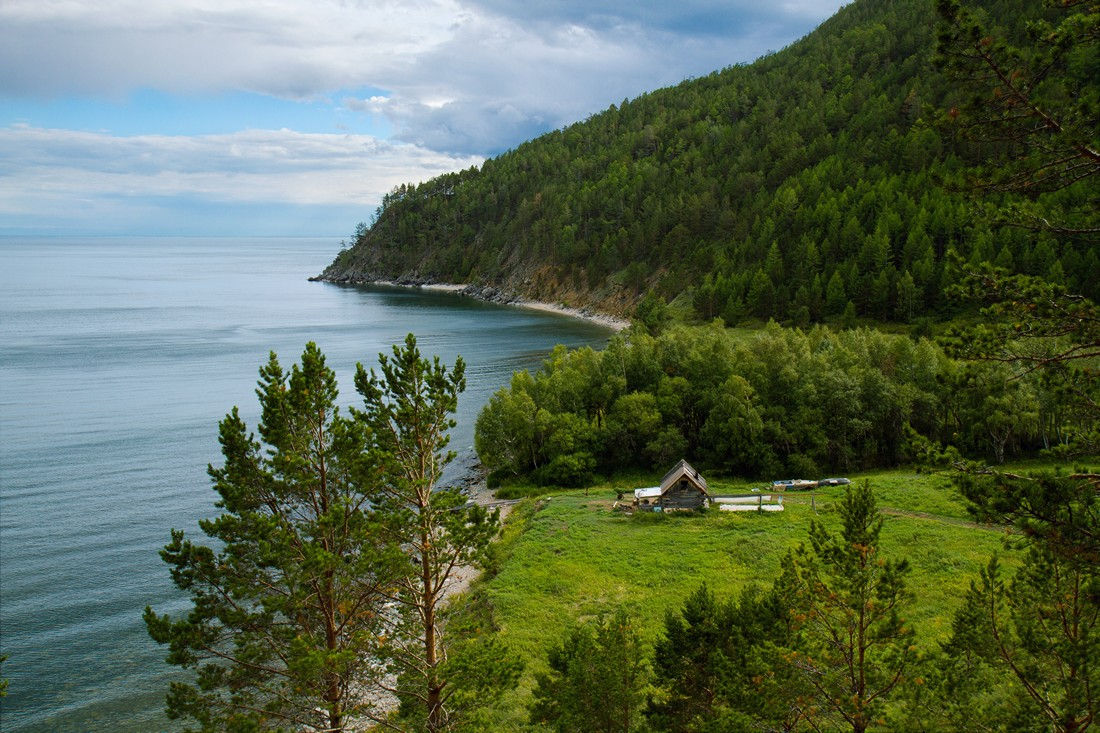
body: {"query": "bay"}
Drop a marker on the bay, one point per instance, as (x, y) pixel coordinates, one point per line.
(118, 357)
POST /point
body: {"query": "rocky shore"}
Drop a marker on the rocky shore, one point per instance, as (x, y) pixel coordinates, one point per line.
(489, 294)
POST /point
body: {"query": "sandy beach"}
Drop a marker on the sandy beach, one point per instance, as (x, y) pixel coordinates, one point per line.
(616, 324)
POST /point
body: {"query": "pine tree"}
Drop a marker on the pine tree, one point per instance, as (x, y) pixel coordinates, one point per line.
(1033, 103)
(596, 679)
(1036, 92)
(408, 411)
(688, 661)
(852, 647)
(287, 602)
(1039, 631)
(836, 295)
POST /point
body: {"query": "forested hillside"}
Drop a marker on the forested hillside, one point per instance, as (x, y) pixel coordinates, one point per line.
(809, 182)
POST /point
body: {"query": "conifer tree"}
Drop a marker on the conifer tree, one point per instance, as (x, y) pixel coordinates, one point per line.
(1037, 92)
(1033, 101)
(596, 679)
(287, 600)
(852, 647)
(688, 661)
(408, 411)
(1039, 629)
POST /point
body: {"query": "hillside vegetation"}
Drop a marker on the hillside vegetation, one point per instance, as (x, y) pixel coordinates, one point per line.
(845, 178)
(903, 154)
(763, 405)
(806, 183)
(821, 183)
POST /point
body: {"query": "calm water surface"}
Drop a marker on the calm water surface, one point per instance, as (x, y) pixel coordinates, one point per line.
(118, 357)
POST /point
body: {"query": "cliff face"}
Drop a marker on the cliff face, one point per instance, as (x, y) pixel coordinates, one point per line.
(799, 187)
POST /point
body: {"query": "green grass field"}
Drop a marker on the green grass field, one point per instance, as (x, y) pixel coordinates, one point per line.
(568, 557)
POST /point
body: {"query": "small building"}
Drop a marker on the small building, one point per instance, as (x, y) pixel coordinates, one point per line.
(682, 488)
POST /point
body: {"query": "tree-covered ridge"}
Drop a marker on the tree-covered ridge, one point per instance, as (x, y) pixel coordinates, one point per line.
(786, 188)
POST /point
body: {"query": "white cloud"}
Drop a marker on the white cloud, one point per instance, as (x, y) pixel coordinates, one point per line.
(728, 18)
(284, 47)
(551, 63)
(46, 170)
(466, 77)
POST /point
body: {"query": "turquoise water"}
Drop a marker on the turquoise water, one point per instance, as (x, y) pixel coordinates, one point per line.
(118, 357)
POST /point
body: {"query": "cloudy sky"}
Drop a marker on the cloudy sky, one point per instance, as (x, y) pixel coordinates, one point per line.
(293, 117)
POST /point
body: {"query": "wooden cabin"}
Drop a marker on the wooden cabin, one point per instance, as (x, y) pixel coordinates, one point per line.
(682, 488)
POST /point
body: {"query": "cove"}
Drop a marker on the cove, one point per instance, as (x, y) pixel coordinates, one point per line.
(119, 357)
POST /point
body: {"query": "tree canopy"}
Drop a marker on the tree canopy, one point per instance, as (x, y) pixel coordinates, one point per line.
(777, 401)
(329, 564)
(285, 622)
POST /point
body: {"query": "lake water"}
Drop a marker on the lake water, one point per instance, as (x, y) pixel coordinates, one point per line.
(118, 357)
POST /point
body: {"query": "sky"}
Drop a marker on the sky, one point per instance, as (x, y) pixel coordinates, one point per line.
(294, 117)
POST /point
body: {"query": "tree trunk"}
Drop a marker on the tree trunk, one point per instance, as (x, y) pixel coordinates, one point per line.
(431, 660)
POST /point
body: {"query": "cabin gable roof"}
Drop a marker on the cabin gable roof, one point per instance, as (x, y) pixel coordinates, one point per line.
(683, 470)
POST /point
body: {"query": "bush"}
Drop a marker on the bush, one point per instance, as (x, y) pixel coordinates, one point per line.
(572, 471)
(518, 491)
(801, 465)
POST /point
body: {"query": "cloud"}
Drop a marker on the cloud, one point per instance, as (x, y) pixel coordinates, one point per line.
(496, 82)
(721, 18)
(454, 81)
(469, 76)
(286, 48)
(49, 173)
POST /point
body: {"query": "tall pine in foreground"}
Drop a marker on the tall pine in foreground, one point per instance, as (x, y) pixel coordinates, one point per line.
(1035, 109)
(408, 409)
(1035, 633)
(287, 599)
(334, 552)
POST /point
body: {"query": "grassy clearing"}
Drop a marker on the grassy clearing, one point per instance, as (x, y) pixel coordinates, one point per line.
(569, 557)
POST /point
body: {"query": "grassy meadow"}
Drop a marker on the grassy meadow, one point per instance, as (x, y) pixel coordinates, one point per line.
(570, 556)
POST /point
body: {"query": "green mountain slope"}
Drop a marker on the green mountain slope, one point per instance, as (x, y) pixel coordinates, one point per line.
(795, 187)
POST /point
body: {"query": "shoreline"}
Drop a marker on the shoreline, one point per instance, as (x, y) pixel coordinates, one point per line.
(490, 294)
(602, 319)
